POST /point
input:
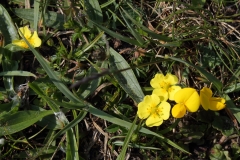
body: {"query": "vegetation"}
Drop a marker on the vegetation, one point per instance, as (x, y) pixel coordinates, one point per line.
(79, 79)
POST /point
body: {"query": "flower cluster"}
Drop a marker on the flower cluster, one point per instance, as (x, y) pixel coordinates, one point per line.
(33, 39)
(155, 107)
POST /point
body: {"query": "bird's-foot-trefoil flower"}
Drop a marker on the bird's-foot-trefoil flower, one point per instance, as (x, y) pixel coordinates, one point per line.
(165, 86)
(209, 102)
(187, 99)
(33, 39)
(152, 109)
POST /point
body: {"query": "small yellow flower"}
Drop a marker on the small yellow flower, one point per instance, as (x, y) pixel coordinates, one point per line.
(187, 99)
(33, 39)
(154, 110)
(209, 102)
(164, 86)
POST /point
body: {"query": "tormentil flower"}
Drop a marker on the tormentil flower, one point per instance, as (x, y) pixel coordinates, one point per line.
(33, 39)
(187, 99)
(154, 110)
(209, 102)
(164, 86)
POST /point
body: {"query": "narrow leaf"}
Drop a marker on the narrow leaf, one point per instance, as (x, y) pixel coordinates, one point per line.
(7, 27)
(18, 73)
(126, 79)
(93, 11)
(51, 19)
(231, 106)
(12, 123)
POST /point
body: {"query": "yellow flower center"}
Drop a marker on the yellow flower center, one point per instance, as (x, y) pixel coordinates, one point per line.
(164, 85)
(159, 111)
(154, 110)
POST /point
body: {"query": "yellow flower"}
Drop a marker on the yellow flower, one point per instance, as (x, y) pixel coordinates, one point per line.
(187, 99)
(164, 86)
(154, 110)
(33, 39)
(209, 102)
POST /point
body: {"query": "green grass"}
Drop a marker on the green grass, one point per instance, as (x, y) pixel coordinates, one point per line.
(76, 96)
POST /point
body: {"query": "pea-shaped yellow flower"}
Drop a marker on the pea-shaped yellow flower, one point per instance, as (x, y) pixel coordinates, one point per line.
(154, 110)
(209, 102)
(187, 99)
(33, 39)
(164, 86)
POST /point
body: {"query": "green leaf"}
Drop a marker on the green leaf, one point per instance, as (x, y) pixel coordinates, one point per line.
(232, 88)
(50, 121)
(9, 65)
(12, 123)
(5, 107)
(18, 73)
(36, 14)
(68, 105)
(73, 123)
(231, 106)
(40, 93)
(93, 11)
(72, 149)
(107, 3)
(216, 153)
(127, 140)
(126, 79)
(51, 19)
(223, 124)
(90, 87)
(7, 27)
(14, 48)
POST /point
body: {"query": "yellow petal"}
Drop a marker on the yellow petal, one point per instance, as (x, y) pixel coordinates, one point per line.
(217, 104)
(193, 103)
(20, 43)
(205, 98)
(207, 92)
(157, 81)
(161, 93)
(172, 91)
(178, 111)
(163, 110)
(148, 105)
(154, 120)
(35, 40)
(25, 31)
(171, 79)
(189, 97)
(142, 110)
(183, 95)
(153, 99)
